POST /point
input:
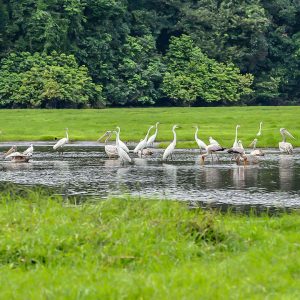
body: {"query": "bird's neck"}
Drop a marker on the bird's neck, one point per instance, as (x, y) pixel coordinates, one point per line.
(174, 134)
(196, 134)
(67, 135)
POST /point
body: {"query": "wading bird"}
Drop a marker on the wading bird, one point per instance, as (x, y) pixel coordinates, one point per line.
(10, 151)
(110, 150)
(123, 155)
(284, 146)
(153, 136)
(199, 142)
(145, 152)
(260, 129)
(122, 145)
(235, 144)
(213, 142)
(239, 151)
(59, 146)
(170, 149)
(212, 149)
(15, 156)
(256, 152)
(29, 151)
(143, 143)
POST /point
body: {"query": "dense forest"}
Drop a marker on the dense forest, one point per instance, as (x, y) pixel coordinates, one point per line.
(96, 53)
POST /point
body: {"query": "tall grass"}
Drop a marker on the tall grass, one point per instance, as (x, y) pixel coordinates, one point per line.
(218, 122)
(143, 249)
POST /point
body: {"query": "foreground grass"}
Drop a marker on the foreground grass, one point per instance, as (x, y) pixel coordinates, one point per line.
(143, 249)
(218, 122)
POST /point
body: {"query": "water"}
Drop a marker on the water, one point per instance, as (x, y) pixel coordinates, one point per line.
(85, 170)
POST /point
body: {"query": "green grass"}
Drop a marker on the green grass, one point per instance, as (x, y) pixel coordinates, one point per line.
(218, 122)
(143, 249)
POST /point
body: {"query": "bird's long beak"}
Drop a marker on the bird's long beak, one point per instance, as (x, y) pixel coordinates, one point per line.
(288, 134)
(100, 138)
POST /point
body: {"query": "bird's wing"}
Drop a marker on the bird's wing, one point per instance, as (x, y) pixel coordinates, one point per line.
(60, 143)
(123, 146)
(201, 144)
(123, 154)
(151, 139)
(139, 146)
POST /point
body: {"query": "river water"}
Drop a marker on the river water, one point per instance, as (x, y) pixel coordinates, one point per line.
(85, 170)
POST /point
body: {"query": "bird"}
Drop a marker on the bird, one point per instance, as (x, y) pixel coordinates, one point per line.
(256, 152)
(170, 149)
(15, 156)
(110, 150)
(212, 141)
(153, 136)
(11, 150)
(284, 146)
(121, 144)
(199, 142)
(235, 144)
(239, 151)
(123, 155)
(210, 149)
(143, 143)
(62, 142)
(29, 151)
(145, 152)
(260, 129)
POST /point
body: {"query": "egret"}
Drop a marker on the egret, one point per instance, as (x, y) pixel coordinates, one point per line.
(28, 151)
(235, 144)
(284, 146)
(213, 142)
(199, 142)
(256, 152)
(121, 144)
(110, 150)
(153, 137)
(170, 149)
(260, 128)
(123, 155)
(210, 149)
(143, 143)
(62, 142)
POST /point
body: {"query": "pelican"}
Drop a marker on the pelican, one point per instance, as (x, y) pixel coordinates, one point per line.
(62, 142)
(199, 142)
(153, 137)
(256, 152)
(213, 142)
(143, 143)
(28, 151)
(110, 150)
(170, 149)
(121, 144)
(235, 144)
(123, 155)
(10, 151)
(15, 156)
(210, 149)
(260, 128)
(285, 146)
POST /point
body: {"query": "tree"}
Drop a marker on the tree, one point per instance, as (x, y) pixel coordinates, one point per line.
(41, 80)
(191, 75)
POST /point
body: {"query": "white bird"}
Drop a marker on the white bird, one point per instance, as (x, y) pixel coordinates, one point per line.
(62, 142)
(170, 149)
(235, 144)
(28, 151)
(260, 128)
(143, 143)
(123, 155)
(153, 136)
(110, 150)
(212, 141)
(284, 146)
(199, 142)
(122, 145)
(11, 150)
(256, 152)
(210, 149)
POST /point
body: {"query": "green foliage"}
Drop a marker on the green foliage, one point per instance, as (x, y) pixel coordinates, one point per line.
(41, 80)
(191, 75)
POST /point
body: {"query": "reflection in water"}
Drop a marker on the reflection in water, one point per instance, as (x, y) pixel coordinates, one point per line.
(87, 171)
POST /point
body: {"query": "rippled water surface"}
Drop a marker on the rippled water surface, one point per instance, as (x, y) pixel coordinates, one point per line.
(85, 170)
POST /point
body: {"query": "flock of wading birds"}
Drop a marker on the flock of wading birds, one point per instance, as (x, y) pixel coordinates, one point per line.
(143, 148)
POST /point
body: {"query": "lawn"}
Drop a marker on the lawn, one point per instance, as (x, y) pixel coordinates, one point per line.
(218, 122)
(126, 248)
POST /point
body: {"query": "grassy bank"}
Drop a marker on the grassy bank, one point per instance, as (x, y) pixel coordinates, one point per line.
(142, 249)
(217, 122)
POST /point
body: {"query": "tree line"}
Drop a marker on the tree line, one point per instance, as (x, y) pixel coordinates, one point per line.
(95, 53)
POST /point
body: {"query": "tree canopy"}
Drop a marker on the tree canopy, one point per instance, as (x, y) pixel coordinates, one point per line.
(127, 52)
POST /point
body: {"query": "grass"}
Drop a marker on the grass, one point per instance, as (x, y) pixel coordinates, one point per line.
(143, 249)
(218, 122)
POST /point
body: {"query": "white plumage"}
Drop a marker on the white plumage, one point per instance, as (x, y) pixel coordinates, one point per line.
(199, 142)
(143, 143)
(123, 155)
(284, 146)
(170, 149)
(152, 138)
(62, 142)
